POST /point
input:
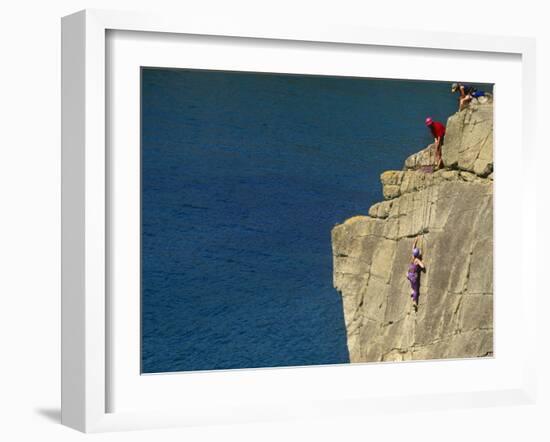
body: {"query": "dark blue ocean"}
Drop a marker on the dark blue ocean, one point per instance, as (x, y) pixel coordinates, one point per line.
(243, 177)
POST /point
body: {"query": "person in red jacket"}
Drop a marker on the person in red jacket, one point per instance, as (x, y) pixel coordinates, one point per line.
(438, 132)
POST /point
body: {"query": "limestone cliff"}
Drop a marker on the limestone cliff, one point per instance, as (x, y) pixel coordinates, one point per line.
(453, 210)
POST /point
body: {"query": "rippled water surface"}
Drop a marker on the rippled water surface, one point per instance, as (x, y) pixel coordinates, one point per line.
(243, 177)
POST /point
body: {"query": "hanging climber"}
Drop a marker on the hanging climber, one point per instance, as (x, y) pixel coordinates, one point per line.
(438, 131)
(416, 266)
(467, 93)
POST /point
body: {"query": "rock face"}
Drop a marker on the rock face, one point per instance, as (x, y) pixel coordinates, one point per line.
(452, 210)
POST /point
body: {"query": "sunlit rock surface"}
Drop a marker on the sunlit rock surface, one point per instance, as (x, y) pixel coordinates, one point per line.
(452, 210)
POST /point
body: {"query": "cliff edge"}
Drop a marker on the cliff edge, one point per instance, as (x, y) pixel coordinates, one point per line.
(452, 209)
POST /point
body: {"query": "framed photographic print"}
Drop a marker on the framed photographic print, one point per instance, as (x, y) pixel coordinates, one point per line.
(265, 223)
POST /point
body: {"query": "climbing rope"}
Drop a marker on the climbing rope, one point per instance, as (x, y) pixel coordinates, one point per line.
(427, 212)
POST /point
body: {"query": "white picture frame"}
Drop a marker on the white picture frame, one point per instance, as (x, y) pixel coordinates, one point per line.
(86, 356)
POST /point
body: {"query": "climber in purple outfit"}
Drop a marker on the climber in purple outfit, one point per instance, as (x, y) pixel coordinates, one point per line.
(416, 266)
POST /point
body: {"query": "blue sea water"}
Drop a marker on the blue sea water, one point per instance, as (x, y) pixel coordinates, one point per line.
(243, 177)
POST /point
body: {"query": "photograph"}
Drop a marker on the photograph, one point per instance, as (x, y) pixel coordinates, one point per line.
(292, 220)
(274, 221)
